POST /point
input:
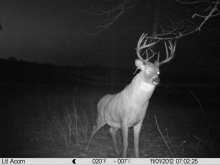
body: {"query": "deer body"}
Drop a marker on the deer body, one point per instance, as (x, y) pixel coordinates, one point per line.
(128, 108)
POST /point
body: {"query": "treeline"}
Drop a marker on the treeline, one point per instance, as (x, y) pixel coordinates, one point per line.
(13, 70)
(16, 71)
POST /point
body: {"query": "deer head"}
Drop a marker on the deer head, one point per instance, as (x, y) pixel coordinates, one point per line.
(150, 70)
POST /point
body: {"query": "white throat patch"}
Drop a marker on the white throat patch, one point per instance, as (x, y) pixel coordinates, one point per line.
(147, 87)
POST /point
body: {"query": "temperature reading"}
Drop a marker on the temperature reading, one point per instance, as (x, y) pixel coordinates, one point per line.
(123, 161)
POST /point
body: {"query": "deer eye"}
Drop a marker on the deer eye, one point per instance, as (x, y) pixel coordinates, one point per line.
(158, 72)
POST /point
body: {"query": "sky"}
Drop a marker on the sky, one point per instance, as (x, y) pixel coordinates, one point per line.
(55, 31)
(43, 31)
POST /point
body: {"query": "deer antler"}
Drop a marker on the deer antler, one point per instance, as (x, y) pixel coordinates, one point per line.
(172, 48)
(143, 44)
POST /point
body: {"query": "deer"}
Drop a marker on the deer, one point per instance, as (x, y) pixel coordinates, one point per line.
(128, 108)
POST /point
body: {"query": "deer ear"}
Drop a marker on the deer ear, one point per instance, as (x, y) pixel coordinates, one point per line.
(139, 64)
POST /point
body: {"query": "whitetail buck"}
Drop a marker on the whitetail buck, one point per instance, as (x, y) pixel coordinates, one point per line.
(128, 108)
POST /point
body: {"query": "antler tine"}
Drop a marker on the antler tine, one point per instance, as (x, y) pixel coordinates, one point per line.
(148, 58)
(158, 57)
(141, 46)
(172, 48)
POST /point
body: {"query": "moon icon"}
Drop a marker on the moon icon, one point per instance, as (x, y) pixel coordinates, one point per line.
(74, 161)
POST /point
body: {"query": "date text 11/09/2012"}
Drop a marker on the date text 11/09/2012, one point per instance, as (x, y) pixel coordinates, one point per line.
(175, 161)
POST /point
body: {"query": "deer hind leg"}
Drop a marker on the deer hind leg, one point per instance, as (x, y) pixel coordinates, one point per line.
(137, 129)
(99, 124)
(113, 133)
(125, 138)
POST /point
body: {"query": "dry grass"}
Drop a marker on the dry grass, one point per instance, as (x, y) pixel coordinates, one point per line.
(56, 121)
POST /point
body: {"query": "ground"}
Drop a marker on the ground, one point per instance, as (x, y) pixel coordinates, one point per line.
(46, 120)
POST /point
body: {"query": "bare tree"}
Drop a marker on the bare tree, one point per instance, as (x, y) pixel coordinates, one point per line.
(162, 20)
(211, 10)
(205, 14)
(110, 11)
(177, 18)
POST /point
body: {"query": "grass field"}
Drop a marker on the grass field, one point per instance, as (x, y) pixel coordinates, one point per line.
(44, 120)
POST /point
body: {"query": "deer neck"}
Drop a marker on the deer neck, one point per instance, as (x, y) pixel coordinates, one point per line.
(142, 91)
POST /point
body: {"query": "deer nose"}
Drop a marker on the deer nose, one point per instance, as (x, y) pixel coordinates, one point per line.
(156, 81)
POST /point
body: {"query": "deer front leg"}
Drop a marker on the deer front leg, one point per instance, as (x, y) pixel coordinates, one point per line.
(137, 129)
(125, 138)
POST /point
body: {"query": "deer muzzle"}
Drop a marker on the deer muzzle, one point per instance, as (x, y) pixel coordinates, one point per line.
(156, 80)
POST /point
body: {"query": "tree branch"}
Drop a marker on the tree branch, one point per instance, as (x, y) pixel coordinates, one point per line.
(175, 28)
(113, 14)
